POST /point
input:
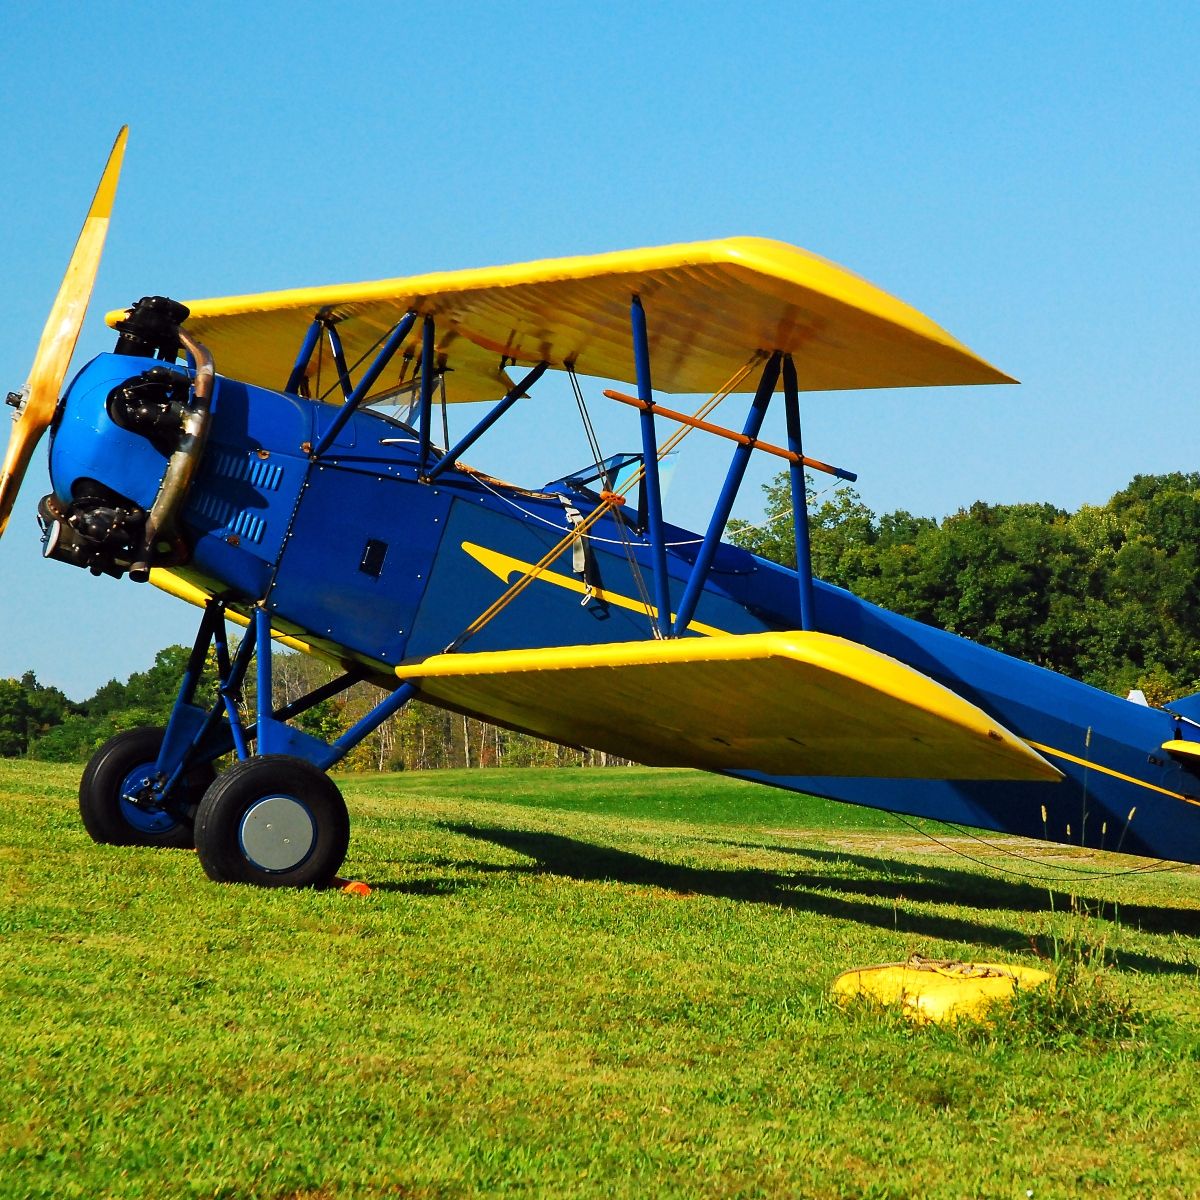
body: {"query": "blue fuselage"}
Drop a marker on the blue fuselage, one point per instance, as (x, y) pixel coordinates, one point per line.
(356, 556)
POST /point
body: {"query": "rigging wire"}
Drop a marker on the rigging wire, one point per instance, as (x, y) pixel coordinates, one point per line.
(635, 569)
(316, 391)
(607, 504)
(576, 532)
(1079, 873)
(445, 415)
(482, 479)
(358, 362)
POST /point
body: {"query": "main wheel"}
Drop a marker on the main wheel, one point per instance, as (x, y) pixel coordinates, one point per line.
(122, 766)
(276, 821)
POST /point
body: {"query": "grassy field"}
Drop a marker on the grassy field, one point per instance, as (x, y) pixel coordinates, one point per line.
(583, 984)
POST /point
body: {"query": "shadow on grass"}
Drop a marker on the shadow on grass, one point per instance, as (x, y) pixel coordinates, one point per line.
(945, 885)
(827, 895)
(448, 885)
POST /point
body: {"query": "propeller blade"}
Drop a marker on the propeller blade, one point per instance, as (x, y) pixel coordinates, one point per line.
(54, 351)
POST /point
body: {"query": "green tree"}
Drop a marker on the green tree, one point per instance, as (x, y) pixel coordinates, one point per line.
(1108, 594)
(14, 718)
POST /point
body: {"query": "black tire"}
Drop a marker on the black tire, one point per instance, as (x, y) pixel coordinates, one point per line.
(274, 821)
(112, 821)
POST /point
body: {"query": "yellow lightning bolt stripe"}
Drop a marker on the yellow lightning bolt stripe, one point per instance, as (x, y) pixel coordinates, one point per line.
(504, 566)
(1083, 762)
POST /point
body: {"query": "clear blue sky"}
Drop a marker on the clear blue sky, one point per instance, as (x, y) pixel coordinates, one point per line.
(1024, 173)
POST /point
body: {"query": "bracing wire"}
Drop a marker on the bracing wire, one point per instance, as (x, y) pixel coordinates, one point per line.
(358, 362)
(1078, 874)
(635, 569)
(608, 503)
(603, 541)
(316, 391)
(445, 414)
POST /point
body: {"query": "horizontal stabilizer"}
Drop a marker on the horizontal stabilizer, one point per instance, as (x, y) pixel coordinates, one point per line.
(1187, 753)
(782, 703)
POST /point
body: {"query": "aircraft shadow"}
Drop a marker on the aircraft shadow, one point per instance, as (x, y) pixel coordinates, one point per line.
(945, 885)
(827, 895)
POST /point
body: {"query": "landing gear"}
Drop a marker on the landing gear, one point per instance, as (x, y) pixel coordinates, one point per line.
(117, 794)
(274, 818)
(275, 821)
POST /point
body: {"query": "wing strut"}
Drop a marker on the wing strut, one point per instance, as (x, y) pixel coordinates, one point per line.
(794, 456)
(804, 574)
(729, 491)
(493, 415)
(359, 393)
(652, 489)
(609, 501)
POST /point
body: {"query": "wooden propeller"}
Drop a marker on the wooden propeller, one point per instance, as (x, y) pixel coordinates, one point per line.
(39, 397)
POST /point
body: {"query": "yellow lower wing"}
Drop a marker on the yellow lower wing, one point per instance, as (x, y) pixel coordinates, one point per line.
(782, 703)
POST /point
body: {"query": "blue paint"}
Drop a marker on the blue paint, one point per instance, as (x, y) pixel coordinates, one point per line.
(366, 725)
(804, 575)
(339, 359)
(311, 338)
(493, 415)
(426, 407)
(366, 383)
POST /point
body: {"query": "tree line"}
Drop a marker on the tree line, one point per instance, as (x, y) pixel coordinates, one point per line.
(1106, 594)
(42, 723)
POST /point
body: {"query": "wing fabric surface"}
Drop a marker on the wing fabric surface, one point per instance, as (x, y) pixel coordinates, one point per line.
(710, 306)
(781, 703)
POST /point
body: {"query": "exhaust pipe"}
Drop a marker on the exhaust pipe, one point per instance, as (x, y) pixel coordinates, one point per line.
(181, 469)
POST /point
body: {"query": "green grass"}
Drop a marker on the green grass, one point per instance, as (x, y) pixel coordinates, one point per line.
(582, 983)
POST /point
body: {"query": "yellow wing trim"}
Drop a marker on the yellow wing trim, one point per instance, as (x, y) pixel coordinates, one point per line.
(175, 585)
(1187, 751)
(1093, 766)
(504, 567)
(783, 703)
(710, 305)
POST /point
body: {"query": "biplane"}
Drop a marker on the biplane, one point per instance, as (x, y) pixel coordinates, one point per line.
(249, 455)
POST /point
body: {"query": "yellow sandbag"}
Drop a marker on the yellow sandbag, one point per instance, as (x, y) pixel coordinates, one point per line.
(929, 989)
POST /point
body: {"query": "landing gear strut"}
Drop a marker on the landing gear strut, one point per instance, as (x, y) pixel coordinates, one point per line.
(274, 818)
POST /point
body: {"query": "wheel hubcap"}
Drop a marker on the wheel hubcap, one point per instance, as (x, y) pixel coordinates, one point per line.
(278, 833)
(141, 817)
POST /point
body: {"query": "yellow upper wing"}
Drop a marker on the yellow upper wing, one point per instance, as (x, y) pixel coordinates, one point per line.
(709, 305)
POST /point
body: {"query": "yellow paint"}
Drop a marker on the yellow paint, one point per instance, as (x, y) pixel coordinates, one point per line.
(504, 567)
(709, 306)
(927, 991)
(60, 334)
(1083, 762)
(175, 585)
(1182, 749)
(783, 703)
